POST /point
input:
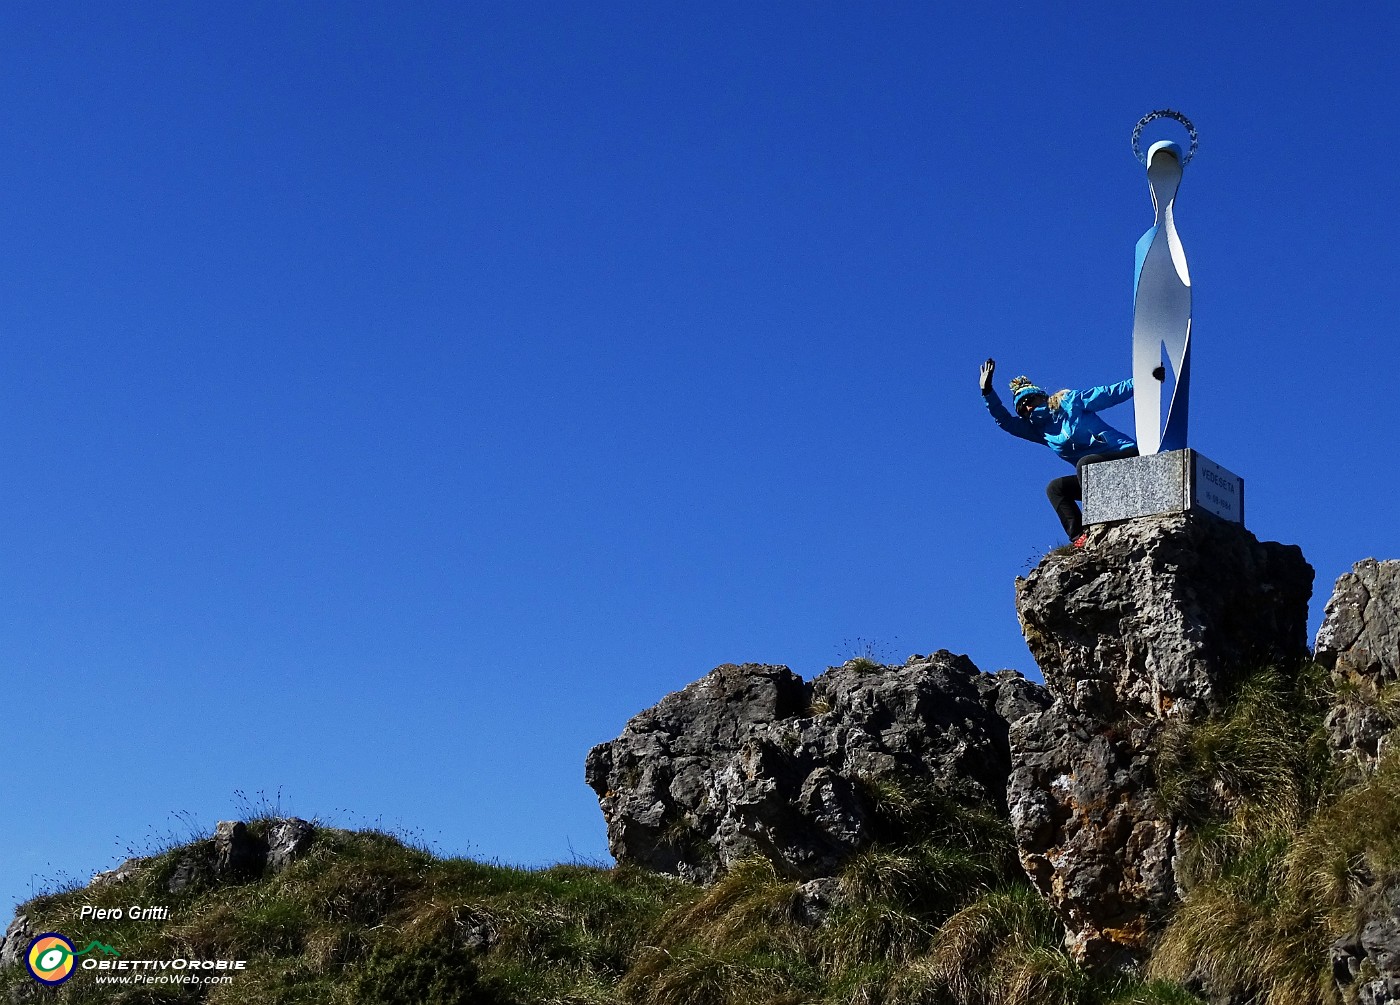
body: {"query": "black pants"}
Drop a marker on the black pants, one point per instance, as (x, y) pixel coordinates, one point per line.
(1065, 493)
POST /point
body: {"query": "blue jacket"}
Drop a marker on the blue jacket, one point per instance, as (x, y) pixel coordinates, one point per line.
(1073, 430)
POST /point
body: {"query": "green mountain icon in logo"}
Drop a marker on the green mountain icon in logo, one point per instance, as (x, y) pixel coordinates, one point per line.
(94, 944)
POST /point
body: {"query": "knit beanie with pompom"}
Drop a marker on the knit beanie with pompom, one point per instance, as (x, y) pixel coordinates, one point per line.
(1022, 388)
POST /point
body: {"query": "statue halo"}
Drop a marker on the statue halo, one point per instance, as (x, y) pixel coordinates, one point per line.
(1164, 113)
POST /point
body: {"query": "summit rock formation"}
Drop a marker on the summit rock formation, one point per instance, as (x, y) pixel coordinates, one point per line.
(752, 760)
(1151, 622)
(1359, 642)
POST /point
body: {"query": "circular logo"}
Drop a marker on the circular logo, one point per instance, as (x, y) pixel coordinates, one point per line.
(50, 959)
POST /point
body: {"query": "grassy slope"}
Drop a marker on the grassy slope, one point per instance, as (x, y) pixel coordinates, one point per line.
(1288, 851)
(364, 918)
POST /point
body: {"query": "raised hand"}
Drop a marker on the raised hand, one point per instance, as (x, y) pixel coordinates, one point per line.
(985, 378)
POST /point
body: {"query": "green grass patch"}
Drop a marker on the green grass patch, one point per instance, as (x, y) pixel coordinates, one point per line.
(937, 911)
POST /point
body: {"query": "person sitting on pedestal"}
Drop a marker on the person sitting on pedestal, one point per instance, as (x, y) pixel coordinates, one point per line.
(1069, 424)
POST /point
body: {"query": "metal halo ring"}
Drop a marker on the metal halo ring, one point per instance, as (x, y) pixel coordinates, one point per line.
(1165, 113)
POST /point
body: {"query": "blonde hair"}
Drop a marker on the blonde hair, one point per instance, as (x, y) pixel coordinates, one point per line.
(1056, 398)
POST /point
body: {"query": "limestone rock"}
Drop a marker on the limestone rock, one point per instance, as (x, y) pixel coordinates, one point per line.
(1155, 616)
(816, 898)
(238, 854)
(120, 874)
(287, 840)
(1153, 621)
(16, 941)
(1089, 831)
(1360, 631)
(1358, 731)
(1375, 941)
(751, 760)
(657, 783)
(1359, 641)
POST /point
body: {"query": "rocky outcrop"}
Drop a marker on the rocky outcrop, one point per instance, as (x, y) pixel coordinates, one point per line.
(1369, 957)
(120, 874)
(236, 854)
(288, 839)
(15, 941)
(1151, 622)
(1089, 829)
(752, 760)
(1359, 641)
(1360, 633)
(1156, 616)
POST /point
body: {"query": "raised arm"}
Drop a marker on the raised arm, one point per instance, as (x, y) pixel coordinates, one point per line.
(1098, 398)
(1013, 424)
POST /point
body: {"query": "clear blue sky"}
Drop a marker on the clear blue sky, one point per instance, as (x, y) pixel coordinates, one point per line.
(394, 399)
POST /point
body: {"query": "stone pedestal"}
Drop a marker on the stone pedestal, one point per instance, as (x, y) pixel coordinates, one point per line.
(1176, 481)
